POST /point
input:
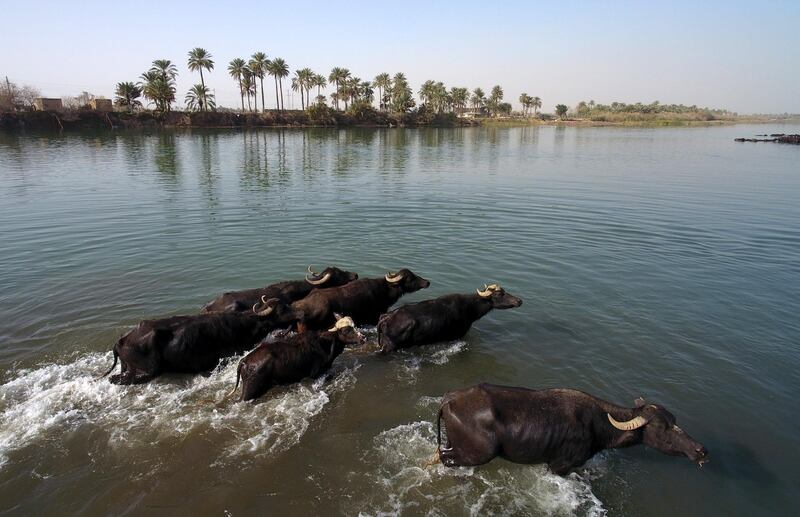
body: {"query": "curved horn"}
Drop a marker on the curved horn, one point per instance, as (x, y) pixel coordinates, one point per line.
(266, 312)
(312, 272)
(320, 281)
(487, 291)
(628, 425)
(393, 278)
(263, 301)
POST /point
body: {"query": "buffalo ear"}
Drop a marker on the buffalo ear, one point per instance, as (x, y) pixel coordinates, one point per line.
(639, 402)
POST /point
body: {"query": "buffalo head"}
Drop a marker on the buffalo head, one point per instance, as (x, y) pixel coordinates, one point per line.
(660, 432)
(346, 331)
(330, 277)
(407, 281)
(274, 309)
(499, 297)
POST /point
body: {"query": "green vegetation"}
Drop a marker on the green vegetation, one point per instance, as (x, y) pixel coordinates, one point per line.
(351, 95)
(127, 96)
(199, 60)
(386, 100)
(158, 84)
(655, 114)
(200, 98)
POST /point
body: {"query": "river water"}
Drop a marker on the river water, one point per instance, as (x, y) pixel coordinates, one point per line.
(662, 263)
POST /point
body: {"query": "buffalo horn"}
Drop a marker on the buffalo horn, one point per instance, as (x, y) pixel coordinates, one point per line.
(393, 278)
(341, 323)
(318, 281)
(487, 290)
(628, 425)
(265, 312)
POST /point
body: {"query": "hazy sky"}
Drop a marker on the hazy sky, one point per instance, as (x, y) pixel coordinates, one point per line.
(744, 56)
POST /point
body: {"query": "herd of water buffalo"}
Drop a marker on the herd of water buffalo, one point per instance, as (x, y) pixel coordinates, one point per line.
(317, 319)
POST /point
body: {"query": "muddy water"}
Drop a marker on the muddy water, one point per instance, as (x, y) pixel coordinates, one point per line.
(662, 263)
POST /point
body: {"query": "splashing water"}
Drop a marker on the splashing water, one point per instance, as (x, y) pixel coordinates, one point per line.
(405, 483)
(415, 358)
(42, 404)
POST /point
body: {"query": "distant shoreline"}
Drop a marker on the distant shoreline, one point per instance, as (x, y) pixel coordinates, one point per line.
(82, 120)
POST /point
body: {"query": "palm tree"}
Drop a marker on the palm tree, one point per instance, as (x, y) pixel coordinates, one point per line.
(306, 80)
(525, 101)
(337, 76)
(248, 86)
(200, 97)
(158, 84)
(536, 102)
(236, 70)
(426, 91)
(402, 98)
(478, 98)
(320, 82)
(561, 110)
(258, 65)
(271, 70)
(200, 59)
(382, 82)
(166, 68)
(128, 95)
(460, 97)
(365, 91)
(494, 98)
(279, 69)
(297, 85)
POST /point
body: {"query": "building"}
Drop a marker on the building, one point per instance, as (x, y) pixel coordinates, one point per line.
(471, 112)
(101, 105)
(43, 104)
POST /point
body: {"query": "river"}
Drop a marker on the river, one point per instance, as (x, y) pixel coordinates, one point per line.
(662, 263)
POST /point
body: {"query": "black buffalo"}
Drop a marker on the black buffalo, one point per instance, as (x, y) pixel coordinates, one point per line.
(364, 300)
(288, 292)
(193, 344)
(292, 358)
(560, 427)
(441, 319)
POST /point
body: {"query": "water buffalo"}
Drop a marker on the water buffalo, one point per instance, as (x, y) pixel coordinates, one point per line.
(288, 292)
(291, 359)
(441, 319)
(192, 344)
(560, 427)
(364, 300)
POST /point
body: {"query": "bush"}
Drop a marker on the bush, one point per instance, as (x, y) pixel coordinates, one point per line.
(362, 111)
(321, 115)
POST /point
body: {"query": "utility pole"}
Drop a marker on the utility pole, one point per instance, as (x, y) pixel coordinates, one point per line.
(8, 86)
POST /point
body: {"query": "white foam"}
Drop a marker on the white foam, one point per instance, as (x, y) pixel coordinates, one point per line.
(413, 359)
(405, 484)
(41, 403)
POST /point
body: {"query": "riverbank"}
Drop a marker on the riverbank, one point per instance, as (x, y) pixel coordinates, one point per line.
(638, 121)
(80, 120)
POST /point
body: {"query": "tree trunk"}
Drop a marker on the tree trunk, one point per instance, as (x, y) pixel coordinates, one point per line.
(241, 92)
(263, 105)
(277, 99)
(255, 94)
(203, 84)
(280, 82)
